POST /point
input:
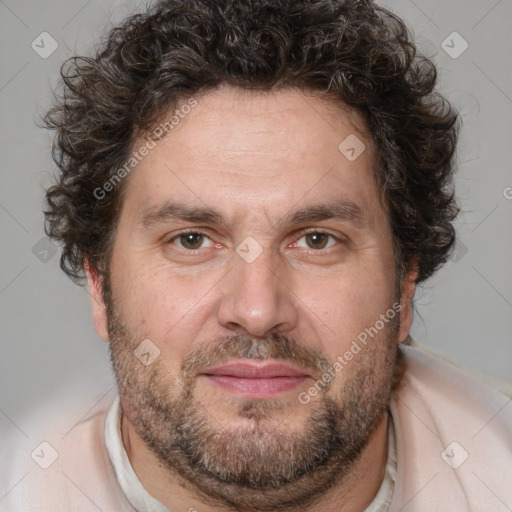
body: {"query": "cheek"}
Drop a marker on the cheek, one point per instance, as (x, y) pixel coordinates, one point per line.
(156, 303)
(344, 305)
(144, 299)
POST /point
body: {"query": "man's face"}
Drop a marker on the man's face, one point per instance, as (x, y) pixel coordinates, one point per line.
(252, 252)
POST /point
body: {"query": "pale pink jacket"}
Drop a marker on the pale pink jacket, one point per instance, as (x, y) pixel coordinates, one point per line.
(453, 440)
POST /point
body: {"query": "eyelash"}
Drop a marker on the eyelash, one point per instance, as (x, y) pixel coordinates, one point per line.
(193, 252)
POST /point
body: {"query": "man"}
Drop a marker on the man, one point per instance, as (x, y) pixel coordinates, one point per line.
(253, 190)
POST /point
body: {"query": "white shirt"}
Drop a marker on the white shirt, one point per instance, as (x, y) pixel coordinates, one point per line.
(142, 501)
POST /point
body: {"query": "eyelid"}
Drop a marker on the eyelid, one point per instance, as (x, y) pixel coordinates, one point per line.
(297, 236)
(323, 231)
(199, 231)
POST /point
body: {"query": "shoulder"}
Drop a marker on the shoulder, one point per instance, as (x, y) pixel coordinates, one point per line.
(62, 471)
(454, 433)
(451, 392)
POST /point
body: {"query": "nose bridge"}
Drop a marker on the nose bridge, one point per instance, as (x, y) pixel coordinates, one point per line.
(254, 298)
(258, 275)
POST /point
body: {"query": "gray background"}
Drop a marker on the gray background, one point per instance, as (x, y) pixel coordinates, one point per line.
(49, 347)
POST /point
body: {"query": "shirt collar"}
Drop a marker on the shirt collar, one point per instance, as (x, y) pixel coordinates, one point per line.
(130, 484)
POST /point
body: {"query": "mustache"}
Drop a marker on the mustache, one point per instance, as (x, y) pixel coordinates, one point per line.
(277, 346)
(273, 346)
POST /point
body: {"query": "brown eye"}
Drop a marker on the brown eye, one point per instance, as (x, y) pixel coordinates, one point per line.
(317, 240)
(191, 241)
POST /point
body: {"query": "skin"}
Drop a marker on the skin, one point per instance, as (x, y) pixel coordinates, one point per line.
(254, 158)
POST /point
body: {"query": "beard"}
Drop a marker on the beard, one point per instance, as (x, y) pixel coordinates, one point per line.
(256, 460)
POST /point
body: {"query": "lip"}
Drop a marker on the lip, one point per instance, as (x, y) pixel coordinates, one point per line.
(255, 380)
(251, 370)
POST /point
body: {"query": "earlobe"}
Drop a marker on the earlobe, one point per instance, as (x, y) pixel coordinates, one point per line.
(407, 296)
(99, 308)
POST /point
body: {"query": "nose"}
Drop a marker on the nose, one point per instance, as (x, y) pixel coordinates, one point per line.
(255, 300)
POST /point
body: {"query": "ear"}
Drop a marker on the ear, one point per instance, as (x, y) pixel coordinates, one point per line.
(99, 308)
(408, 288)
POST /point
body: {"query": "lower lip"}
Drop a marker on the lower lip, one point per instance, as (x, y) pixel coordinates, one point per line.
(256, 388)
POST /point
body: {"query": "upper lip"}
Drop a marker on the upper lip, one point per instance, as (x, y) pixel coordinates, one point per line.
(248, 370)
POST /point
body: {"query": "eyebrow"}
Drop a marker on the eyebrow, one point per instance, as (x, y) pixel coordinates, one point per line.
(171, 211)
(344, 211)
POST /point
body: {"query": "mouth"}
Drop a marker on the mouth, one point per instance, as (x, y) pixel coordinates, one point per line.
(258, 380)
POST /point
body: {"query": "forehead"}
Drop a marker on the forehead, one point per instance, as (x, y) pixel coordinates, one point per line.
(258, 153)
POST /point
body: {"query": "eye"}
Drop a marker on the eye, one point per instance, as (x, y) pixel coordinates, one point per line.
(316, 240)
(191, 241)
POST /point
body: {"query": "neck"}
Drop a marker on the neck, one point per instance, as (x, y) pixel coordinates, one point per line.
(353, 494)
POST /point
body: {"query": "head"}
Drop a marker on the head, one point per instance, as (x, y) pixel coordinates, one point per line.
(244, 181)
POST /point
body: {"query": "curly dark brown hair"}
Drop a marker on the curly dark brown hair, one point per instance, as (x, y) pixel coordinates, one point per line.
(352, 51)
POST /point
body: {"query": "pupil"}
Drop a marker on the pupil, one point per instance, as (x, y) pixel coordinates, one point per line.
(192, 240)
(317, 240)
